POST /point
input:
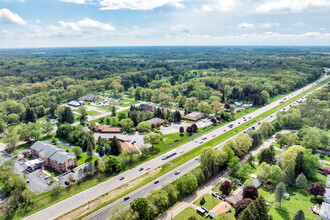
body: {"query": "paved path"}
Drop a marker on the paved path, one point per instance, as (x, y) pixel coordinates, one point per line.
(96, 191)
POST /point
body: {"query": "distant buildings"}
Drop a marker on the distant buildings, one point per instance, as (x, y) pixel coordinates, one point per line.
(194, 116)
(147, 107)
(89, 98)
(155, 121)
(106, 129)
(54, 156)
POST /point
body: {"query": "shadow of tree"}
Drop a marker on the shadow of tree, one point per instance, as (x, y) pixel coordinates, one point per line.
(283, 213)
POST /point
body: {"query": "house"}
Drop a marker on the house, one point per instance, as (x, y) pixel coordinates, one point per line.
(106, 129)
(194, 116)
(256, 182)
(222, 207)
(236, 196)
(325, 211)
(328, 182)
(74, 104)
(239, 104)
(54, 156)
(89, 98)
(155, 121)
(326, 196)
(147, 107)
(126, 145)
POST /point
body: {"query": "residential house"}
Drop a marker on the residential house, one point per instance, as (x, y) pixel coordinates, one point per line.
(194, 116)
(106, 129)
(126, 145)
(236, 196)
(74, 104)
(325, 207)
(155, 121)
(147, 107)
(89, 98)
(54, 156)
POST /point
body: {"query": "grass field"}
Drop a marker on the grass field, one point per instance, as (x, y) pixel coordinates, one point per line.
(128, 102)
(92, 112)
(189, 212)
(210, 201)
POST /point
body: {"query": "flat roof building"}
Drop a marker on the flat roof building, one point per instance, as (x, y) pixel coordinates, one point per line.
(194, 116)
(155, 121)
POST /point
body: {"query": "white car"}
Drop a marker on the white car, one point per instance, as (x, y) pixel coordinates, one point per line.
(148, 168)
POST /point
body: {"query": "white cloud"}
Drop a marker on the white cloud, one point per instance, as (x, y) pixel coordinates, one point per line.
(219, 5)
(75, 1)
(138, 5)
(245, 26)
(180, 28)
(86, 25)
(269, 25)
(291, 6)
(8, 17)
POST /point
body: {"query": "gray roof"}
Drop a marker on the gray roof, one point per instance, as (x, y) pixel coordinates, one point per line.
(45, 148)
(61, 157)
(257, 182)
(155, 120)
(328, 181)
(325, 211)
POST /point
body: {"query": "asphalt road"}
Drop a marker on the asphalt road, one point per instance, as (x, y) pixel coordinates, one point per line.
(190, 165)
(96, 191)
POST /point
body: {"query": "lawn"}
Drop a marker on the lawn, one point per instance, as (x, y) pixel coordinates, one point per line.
(1, 184)
(210, 201)
(299, 199)
(92, 113)
(128, 102)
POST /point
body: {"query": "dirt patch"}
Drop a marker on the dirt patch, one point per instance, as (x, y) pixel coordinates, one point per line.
(106, 197)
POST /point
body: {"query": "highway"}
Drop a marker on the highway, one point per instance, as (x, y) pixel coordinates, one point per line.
(75, 201)
(192, 164)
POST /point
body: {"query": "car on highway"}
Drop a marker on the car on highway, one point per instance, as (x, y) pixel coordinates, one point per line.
(121, 178)
(73, 179)
(244, 119)
(224, 130)
(67, 183)
(259, 123)
(126, 198)
(141, 169)
(148, 168)
(239, 122)
(177, 172)
(213, 135)
(157, 181)
(72, 171)
(27, 180)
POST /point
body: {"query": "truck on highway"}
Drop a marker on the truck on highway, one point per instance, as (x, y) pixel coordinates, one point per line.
(169, 154)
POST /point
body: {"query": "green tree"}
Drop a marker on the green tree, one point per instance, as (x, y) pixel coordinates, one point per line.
(267, 155)
(83, 113)
(314, 138)
(89, 149)
(115, 147)
(78, 152)
(255, 210)
(229, 151)
(144, 127)
(152, 138)
(243, 143)
(289, 175)
(172, 193)
(279, 192)
(127, 124)
(234, 164)
(114, 164)
(159, 199)
(103, 164)
(113, 111)
(289, 156)
(67, 115)
(47, 127)
(299, 163)
(310, 164)
(11, 140)
(141, 206)
(3, 125)
(301, 181)
(299, 215)
(186, 184)
(266, 129)
(288, 139)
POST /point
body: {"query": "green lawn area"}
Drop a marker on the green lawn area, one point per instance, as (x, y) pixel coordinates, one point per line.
(299, 199)
(52, 172)
(83, 158)
(1, 184)
(210, 201)
(131, 102)
(92, 113)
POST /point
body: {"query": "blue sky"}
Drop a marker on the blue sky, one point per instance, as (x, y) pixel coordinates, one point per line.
(65, 23)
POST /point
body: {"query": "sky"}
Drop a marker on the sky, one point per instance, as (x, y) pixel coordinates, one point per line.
(74, 23)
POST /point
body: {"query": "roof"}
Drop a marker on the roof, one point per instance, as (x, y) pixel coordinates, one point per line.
(108, 129)
(257, 182)
(32, 162)
(125, 145)
(46, 148)
(61, 157)
(222, 207)
(327, 194)
(328, 181)
(236, 196)
(74, 103)
(200, 210)
(325, 211)
(194, 116)
(147, 107)
(89, 98)
(155, 121)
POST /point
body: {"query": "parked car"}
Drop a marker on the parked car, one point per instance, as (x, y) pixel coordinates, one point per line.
(126, 198)
(67, 183)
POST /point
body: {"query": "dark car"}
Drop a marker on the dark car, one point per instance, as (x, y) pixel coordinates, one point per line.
(253, 128)
(121, 178)
(157, 181)
(259, 123)
(239, 122)
(72, 171)
(126, 198)
(67, 183)
(141, 169)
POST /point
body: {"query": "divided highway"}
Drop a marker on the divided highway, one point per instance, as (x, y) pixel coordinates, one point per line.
(96, 191)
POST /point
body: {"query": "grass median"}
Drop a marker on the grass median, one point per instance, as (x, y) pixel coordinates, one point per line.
(212, 143)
